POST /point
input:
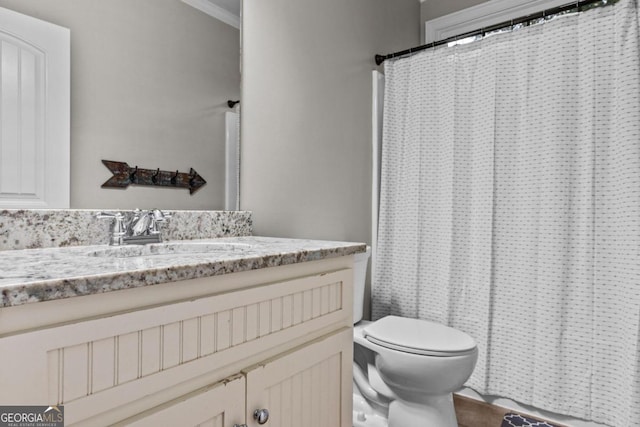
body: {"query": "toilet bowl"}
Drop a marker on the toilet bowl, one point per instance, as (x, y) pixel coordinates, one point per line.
(405, 370)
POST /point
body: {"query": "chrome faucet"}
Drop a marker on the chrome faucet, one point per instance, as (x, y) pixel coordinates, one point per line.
(139, 225)
(137, 228)
(157, 217)
(118, 228)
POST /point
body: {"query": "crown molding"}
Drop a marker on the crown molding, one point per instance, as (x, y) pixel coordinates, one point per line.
(215, 11)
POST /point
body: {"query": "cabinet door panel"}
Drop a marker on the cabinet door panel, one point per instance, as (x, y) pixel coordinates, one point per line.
(221, 405)
(310, 386)
(34, 113)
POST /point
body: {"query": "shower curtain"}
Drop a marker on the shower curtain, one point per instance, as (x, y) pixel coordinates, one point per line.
(510, 208)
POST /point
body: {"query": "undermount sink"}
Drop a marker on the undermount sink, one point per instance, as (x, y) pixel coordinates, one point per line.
(171, 248)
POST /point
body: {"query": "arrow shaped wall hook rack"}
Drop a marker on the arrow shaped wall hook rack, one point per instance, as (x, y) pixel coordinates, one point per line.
(124, 175)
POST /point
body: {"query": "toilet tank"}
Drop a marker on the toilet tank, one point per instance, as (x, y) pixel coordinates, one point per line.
(359, 279)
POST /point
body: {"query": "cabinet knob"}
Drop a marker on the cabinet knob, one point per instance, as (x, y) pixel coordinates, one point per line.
(261, 416)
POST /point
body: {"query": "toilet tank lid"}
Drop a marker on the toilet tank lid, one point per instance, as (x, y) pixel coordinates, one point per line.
(418, 336)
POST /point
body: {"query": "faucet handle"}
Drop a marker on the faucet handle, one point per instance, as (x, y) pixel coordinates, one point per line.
(117, 216)
(160, 216)
(157, 217)
(101, 215)
(118, 228)
(118, 221)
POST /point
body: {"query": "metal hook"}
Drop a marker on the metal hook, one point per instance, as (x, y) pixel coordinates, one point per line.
(174, 178)
(133, 175)
(192, 177)
(154, 177)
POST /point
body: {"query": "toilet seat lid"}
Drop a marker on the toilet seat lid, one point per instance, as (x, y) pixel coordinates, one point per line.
(418, 336)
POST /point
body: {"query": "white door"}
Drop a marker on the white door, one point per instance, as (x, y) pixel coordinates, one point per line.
(310, 387)
(34, 112)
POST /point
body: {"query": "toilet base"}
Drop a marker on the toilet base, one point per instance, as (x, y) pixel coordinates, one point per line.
(364, 415)
(437, 411)
(434, 411)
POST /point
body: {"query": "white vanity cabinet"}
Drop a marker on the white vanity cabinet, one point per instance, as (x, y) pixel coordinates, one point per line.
(201, 352)
(219, 405)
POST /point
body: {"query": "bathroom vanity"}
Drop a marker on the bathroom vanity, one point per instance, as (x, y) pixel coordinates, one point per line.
(202, 332)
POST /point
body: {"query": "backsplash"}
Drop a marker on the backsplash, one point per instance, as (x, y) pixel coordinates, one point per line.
(39, 228)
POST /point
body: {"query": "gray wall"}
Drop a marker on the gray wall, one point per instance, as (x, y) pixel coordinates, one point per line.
(306, 111)
(149, 85)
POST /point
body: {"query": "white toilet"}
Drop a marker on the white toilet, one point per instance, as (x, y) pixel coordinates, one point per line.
(405, 369)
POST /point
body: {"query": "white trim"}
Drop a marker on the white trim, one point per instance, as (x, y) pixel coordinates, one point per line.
(232, 161)
(215, 11)
(377, 109)
(483, 15)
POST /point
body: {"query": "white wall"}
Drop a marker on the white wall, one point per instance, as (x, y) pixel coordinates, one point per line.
(149, 85)
(306, 111)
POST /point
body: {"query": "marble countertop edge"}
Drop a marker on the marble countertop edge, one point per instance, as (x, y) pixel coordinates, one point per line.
(26, 290)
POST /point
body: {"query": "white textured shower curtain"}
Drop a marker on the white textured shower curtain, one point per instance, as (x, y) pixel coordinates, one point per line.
(510, 208)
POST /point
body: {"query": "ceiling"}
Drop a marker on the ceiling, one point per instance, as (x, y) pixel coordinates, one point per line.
(232, 6)
(227, 11)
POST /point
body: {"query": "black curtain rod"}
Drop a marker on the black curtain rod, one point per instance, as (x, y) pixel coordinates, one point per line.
(576, 6)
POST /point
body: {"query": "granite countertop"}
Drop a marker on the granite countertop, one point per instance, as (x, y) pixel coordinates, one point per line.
(34, 275)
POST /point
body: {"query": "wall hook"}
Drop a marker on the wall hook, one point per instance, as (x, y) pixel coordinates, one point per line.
(133, 175)
(123, 176)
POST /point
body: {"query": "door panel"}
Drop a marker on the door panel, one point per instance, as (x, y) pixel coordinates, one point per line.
(310, 386)
(34, 113)
(221, 405)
